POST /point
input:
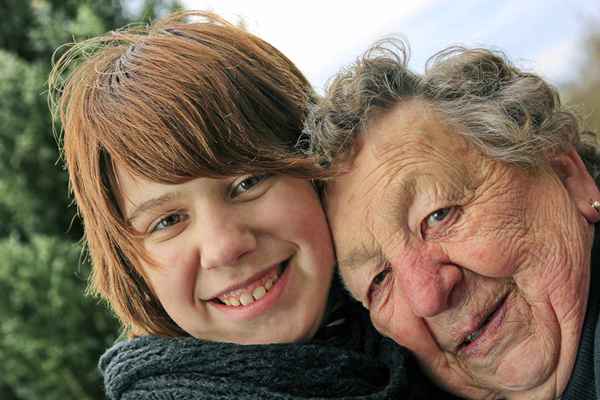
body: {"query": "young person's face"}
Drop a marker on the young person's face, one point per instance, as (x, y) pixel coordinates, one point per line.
(245, 259)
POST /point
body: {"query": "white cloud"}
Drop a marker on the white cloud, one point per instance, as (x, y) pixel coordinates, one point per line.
(558, 63)
(319, 36)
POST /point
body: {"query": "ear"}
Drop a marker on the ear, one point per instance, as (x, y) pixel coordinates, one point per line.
(579, 183)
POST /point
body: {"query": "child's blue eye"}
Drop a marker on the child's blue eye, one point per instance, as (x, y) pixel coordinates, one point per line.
(247, 184)
(168, 221)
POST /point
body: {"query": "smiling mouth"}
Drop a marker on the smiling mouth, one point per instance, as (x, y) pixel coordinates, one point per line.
(475, 334)
(254, 291)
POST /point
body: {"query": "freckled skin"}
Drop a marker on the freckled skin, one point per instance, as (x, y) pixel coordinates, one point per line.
(511, 233)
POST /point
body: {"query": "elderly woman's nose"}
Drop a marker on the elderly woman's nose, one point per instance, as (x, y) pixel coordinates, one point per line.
(224, 241)
(427, 282)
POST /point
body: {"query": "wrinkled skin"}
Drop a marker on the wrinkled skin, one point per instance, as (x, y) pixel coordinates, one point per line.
(207, 236)
(434, 238)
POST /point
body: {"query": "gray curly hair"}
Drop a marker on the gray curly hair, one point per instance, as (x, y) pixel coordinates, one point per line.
(510, 115)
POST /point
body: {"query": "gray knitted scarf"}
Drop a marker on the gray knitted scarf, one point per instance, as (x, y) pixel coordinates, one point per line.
(353, 363)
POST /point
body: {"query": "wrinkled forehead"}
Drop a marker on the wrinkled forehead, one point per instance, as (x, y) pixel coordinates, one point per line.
(407, 151)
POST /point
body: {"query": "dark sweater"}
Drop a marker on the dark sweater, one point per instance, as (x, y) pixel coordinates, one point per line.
(347, 360)
(584, 383)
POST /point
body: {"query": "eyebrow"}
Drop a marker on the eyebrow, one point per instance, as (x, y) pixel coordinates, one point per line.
(153, 203)
(361, 256)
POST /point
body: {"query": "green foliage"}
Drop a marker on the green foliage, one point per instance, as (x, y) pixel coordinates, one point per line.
(51, 335)
(34, 196)
(12, 35)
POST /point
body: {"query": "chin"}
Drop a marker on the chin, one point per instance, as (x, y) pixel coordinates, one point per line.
(517, 377)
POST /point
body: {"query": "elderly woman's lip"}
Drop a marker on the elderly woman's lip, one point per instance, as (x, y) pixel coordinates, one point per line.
(481, 325)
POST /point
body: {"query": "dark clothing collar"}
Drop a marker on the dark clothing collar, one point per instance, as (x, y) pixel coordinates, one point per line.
(585, 378)
(348, 359)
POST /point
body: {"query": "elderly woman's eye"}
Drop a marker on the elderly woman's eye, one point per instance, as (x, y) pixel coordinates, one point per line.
(436, 222)
(246, 184)
(380, 277)
(438, 216)
(378, 281)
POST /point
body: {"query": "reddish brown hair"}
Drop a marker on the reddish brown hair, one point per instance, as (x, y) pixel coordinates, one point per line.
(172, 101)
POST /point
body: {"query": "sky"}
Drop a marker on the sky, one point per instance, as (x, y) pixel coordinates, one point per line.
(321, 37)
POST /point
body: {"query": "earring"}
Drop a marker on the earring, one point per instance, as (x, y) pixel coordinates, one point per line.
(596, 206)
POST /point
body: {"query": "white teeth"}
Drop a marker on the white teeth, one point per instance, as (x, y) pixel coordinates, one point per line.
(243, 297)
(259, 293)
(269, 284)
(246, 299)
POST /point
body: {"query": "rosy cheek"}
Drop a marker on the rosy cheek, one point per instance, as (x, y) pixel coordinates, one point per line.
(174, 263)
(175, 277)
(313, 226)
(491, 258)
(303, 207)
(306, 221)
(168, 252)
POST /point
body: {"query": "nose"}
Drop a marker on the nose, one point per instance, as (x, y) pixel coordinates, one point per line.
(226, 239)
(427, 279)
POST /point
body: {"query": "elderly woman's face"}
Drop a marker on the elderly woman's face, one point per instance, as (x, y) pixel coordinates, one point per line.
(479, 268)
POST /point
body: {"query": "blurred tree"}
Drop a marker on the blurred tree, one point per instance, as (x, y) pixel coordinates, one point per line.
(584, 93)
(12, 35)
(33, 198)
(51, 335)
